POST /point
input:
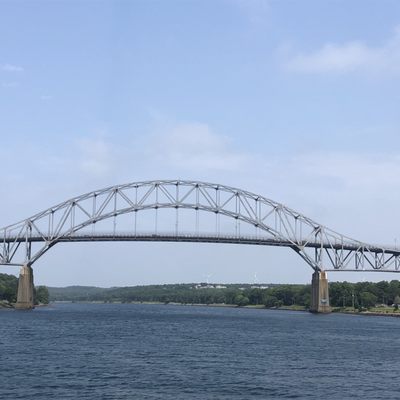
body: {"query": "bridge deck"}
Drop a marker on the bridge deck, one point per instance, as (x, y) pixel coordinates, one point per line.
(197, 238)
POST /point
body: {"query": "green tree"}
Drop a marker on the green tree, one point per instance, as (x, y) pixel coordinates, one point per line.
(8, 287)
(41, 295)
(270, 301)
(285, 294)
(256, 296)
(382, 291)
(341, 294)
(393, 291)
(230, 295)
(368, 299)
(241, 300)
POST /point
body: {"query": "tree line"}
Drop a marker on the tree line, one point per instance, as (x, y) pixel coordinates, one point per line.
(342, 294)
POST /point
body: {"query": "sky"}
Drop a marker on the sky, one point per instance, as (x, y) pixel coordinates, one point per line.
(297, 101)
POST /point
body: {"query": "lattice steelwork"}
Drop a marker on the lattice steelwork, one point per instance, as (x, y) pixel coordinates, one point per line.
(276, 225)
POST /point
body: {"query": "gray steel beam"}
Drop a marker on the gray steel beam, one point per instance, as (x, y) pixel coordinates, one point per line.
(319, 246)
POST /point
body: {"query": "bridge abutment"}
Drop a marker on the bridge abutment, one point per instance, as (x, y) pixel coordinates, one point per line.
(320, 293)
(25, 289)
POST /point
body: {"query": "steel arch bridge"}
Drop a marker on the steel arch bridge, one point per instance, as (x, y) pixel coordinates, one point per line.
(75, 220)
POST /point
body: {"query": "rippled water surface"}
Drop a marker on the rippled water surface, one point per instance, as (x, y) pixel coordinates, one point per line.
(126, 351)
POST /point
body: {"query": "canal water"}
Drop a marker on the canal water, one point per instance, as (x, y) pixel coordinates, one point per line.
(127, 351)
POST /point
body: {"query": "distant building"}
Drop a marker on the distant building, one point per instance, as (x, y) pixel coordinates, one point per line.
(208, 286)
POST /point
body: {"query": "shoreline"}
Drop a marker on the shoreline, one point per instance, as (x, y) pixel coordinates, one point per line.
(10, 306)
(370, 313)
(249, 307)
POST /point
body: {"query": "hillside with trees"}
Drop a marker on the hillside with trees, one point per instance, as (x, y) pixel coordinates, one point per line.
(342, 294)
(361, 295)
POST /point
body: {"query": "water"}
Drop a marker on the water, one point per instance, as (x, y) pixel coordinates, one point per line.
(126, 351)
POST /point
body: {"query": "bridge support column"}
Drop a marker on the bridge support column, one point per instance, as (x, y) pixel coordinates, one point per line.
(320, 293)
(25, 289)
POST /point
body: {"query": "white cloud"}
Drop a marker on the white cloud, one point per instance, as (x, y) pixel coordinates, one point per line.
(355, 170)
(350, 192)
(11, 68)
(354, 56)
(9, 84)
(256, 10)
(194, 146)
(95, 156)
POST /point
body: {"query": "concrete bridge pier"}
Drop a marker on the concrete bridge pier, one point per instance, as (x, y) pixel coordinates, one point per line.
(25, 289)
(320, 293)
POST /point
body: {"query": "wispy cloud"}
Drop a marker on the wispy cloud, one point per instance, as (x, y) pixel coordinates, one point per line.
(257, 11)
(195, 146)
(353, 56)
(9, 84)
(11, 68)
(355, 170)
(95, 156)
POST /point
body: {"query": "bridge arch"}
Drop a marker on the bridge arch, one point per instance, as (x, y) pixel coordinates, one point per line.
(25, 242)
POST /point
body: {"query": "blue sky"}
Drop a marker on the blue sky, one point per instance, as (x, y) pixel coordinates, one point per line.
(295, 100)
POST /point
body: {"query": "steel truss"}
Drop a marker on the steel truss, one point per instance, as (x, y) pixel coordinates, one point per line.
(320, 247)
